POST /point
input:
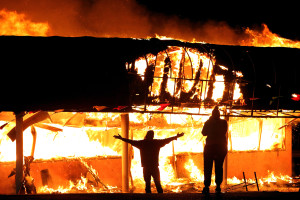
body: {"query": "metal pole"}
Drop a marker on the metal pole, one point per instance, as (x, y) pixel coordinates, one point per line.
(245, 181)
(256, 181)
(19, 151)
(125, 159)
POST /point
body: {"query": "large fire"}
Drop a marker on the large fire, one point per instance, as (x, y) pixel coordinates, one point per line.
(91, 135)
(79, 142)
(13, 23)
(183, 70)
(266, 38)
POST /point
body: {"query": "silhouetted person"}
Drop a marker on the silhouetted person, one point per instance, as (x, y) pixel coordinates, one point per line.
(215, 149)
(149, 150)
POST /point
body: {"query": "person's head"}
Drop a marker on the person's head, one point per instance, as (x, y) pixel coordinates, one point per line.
(149, 135)
(215, 113)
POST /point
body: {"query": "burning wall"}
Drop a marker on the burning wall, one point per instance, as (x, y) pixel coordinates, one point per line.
(89, 137)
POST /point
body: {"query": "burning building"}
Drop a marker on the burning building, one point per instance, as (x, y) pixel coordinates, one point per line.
(68, 96)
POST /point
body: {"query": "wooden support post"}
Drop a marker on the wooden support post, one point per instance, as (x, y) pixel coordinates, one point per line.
(125, 158)
(33, 132)
(225, 164)
(19, 151)
(174, 161)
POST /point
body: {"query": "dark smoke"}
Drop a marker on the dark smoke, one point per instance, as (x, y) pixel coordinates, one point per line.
(118, 18)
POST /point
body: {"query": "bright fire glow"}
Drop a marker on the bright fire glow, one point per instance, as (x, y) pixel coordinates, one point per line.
(266, 38)
(219, 87)
(62, 144)
(188, 72)
(98, 141)
(13, 23)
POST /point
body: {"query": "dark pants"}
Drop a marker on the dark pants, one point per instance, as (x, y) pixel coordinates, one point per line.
(154, 172)
(214, 153)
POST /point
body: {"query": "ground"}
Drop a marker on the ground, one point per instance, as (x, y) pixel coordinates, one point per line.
(172, 196)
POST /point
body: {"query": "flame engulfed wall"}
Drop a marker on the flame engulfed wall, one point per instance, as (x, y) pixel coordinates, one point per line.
(89, 136)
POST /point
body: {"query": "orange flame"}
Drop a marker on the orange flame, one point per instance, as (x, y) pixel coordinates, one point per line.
(267, 39)
(12, 23)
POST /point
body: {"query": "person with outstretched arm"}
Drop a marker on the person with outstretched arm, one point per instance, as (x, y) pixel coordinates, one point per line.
(149, 151)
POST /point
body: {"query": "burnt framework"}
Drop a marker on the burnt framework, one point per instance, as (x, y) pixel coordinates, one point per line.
(77, 74)
(270, 98)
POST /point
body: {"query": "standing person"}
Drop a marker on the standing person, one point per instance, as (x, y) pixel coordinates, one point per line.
(149, 150)
(215, 149)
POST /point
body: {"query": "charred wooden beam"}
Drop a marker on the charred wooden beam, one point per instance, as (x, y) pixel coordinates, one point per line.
(93, 173)
(163, 93)
(37, 117)
(125, 157)
(19, 151)
(33, 133)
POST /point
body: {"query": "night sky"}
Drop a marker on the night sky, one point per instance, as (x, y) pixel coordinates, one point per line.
(282, 17)
(208, 21)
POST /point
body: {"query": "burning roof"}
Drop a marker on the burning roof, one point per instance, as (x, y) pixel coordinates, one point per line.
(79, 73)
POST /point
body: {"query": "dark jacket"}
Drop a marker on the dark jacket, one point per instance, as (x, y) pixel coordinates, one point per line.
(215, 129)
(149, 149)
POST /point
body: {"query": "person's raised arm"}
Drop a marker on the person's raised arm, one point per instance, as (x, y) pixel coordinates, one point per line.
(168, 140)
(121, 138)
(118, 137)
(132, 142)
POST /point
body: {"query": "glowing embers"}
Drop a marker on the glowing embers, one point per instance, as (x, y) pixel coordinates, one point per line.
(88, 182)
(181, 75)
